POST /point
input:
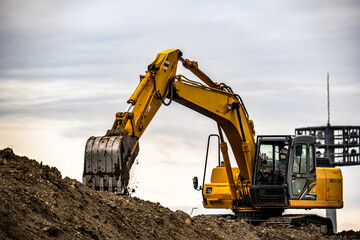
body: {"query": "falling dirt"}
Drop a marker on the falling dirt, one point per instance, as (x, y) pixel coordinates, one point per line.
(37, 203)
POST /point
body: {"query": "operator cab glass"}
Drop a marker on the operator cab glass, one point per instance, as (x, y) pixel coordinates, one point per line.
(271, 163)
(302, 171)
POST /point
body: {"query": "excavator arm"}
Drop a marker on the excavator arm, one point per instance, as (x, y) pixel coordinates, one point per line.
(151, 92)
(109, 158)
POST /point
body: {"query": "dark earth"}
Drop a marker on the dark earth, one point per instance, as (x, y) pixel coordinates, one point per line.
(37, 203)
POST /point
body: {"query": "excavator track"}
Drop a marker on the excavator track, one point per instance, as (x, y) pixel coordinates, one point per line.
(298, 220)
(324, 223)
(275, 217)
(108, 160)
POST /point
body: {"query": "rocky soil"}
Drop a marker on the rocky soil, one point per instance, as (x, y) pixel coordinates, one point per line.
(37, 203)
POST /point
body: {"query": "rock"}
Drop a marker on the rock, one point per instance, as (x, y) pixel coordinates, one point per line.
(3, 161)
(182, 214)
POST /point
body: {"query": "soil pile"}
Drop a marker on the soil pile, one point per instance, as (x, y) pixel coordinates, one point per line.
(37, 203)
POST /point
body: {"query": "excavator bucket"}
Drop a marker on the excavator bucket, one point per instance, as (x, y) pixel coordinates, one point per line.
(108, 160)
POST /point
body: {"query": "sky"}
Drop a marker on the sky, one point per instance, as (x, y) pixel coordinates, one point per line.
(67, 67)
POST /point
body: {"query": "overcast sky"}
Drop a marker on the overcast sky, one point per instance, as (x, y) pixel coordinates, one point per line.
(67, 67)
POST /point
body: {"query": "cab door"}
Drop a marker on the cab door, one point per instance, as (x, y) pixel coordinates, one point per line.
(301, 171)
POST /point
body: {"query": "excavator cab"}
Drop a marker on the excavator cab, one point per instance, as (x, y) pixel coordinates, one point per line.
(285, 175)
(284, 170)
(268, 186)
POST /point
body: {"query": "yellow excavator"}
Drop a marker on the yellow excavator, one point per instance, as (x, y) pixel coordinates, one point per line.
(273, 173)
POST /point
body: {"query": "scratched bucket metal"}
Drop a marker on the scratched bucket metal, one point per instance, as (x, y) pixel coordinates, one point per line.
(107, 162)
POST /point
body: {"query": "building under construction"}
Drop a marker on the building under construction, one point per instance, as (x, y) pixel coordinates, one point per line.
(341, 144)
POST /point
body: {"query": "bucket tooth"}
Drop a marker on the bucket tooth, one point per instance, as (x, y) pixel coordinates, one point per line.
(110, 188)
(101, 184)
(119, 187)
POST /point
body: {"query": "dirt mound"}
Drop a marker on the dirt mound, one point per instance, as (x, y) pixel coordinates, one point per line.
(37, 203)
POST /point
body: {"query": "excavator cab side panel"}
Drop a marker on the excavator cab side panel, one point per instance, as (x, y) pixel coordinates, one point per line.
(328, 190)
(334, 184)
(217, 195)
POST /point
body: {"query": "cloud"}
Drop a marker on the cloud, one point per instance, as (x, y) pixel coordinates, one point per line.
(61, 99)
(273, 54)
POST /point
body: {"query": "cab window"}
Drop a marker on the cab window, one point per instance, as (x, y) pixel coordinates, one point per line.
(270, 168)
(266, 153)
(311, 159)
(300, 160)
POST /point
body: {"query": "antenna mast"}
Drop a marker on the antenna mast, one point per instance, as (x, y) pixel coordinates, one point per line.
(328, 99)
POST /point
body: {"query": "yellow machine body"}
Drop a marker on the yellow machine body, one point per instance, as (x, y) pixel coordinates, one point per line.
(328, 189)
